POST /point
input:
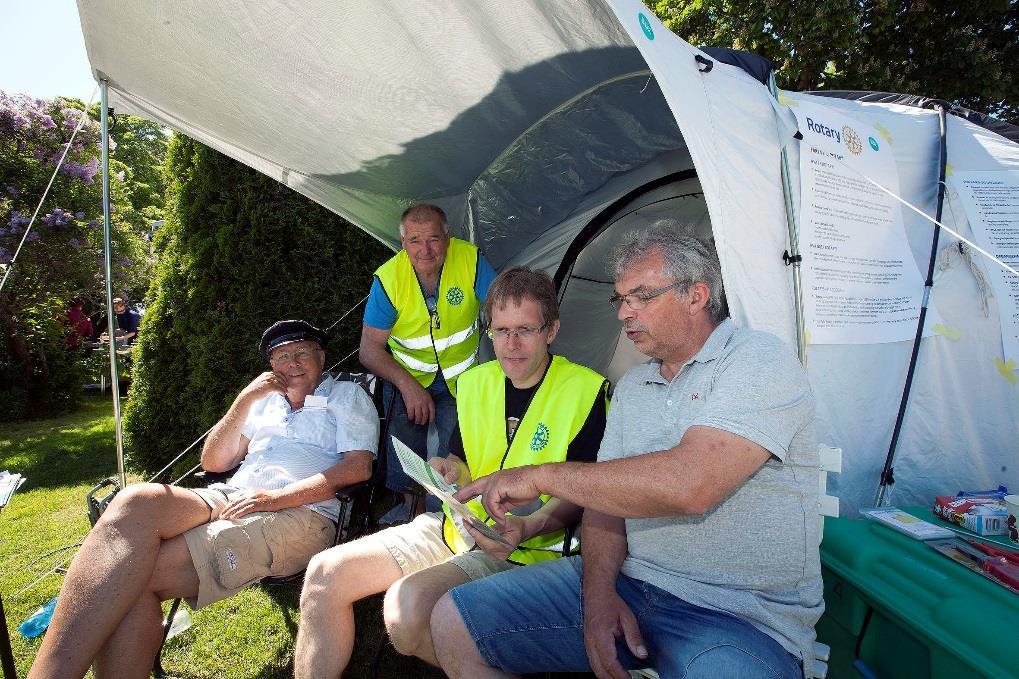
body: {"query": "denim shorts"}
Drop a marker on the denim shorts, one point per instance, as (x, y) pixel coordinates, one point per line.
(530, 620)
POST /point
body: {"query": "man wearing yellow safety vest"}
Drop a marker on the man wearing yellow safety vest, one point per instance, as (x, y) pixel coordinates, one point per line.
(421, 332)
(526, 407)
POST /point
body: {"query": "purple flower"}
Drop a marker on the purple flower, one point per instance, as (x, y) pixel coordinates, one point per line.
(32, 237)
(94, 223)
(13, 190)
(76, 244)
(124, 261)
(79, 216)
(5, 255)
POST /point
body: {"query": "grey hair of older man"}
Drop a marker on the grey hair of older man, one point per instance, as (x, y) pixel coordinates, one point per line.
(688, 260)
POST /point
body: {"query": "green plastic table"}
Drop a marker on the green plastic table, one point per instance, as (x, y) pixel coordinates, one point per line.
(907, 611)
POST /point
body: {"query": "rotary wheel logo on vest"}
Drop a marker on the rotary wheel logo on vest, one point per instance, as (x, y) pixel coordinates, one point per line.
(454, 296)
(540, 439)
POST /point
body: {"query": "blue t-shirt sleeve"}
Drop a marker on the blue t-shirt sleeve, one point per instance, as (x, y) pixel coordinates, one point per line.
(486, 274)
(379, 312)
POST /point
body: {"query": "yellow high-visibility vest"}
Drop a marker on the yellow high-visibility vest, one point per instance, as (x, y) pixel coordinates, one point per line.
(554, 416)
(420, 342)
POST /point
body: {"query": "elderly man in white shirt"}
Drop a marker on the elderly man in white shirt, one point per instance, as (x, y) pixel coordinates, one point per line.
(298, 436)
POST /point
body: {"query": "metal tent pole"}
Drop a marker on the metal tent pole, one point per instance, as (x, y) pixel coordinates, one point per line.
(111, 318)
(887, 478)
(793, 257)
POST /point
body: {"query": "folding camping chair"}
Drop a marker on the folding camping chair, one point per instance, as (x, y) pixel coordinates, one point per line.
(355, 517)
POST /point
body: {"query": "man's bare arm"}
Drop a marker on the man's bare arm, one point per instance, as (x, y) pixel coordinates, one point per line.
(691, 478)
(373, 355)
(225, 446)
(356, 466)
(606, 615)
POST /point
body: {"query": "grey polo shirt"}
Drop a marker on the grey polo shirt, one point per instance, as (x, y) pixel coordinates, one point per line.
(754, 555)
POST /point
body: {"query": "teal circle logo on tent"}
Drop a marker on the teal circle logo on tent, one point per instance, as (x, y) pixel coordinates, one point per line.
(645, 26)
(540, 439)
(873, 143)
(454, 296)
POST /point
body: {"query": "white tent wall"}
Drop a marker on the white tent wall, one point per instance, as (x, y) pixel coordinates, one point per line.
(526, 120)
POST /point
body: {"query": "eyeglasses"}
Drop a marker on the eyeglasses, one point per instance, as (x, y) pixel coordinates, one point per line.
(638, 302)
(524, 332)
(299, 356)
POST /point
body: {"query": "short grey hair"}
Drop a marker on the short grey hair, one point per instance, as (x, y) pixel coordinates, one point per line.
(688, 260)
(424, 212)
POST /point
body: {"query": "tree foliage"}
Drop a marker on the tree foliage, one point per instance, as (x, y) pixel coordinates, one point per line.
(965, 52)
(62, 255)
(238, 252)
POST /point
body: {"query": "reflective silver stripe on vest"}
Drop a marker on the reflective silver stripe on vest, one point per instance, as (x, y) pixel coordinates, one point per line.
(454, 370)
(422, 342)
(415, 364)
(444, 343)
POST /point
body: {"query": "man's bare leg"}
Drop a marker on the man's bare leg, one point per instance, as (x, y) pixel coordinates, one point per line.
(335, 579)
(132, 648)
(408, 608)
(110, 572)
(455, 649)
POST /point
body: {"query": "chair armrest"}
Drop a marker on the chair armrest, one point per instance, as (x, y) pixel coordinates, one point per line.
(347, 493)
(208, 477)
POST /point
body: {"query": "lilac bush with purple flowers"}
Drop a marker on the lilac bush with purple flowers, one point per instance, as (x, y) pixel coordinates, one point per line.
(58, 258)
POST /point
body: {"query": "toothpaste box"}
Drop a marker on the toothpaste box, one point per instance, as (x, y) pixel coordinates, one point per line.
(982, 515)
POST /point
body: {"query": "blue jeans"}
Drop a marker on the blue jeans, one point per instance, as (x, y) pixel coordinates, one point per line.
(415, 436)
(530, 620)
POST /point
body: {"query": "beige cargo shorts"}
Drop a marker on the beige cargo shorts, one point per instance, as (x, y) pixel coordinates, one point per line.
(230, 554)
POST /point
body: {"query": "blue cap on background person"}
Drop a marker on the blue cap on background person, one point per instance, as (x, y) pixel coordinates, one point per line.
(284, 332)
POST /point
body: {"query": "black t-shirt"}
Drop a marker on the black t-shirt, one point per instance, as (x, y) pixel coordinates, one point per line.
(583, 447)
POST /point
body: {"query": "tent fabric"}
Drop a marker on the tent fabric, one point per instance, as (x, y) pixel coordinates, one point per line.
(527, 122)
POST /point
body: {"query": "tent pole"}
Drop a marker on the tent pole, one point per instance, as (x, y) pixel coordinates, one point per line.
(793, 257)
(108, 252)
(887, 478)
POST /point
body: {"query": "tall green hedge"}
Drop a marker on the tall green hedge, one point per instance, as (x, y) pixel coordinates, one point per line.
(238, 252)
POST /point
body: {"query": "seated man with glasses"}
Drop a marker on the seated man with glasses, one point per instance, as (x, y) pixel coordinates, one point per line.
(298, 436)
(525, 407)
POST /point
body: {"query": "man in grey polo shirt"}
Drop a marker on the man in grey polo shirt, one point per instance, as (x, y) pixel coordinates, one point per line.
(700, 531)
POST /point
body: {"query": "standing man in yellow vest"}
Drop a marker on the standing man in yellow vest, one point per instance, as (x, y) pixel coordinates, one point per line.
(423, 306)
(526, 407)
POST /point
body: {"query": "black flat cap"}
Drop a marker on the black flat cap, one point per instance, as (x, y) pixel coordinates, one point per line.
(282, 332)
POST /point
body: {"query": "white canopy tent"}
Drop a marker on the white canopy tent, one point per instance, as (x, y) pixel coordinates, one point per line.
(545, 130)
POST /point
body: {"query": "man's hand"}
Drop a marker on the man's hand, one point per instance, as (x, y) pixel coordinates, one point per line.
(502, 491)
(250, 502)
(451, 469)
(419, 403)
(265, 384)
(512, 530)
(606, 618)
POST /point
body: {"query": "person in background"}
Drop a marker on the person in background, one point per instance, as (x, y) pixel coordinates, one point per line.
(78, 323)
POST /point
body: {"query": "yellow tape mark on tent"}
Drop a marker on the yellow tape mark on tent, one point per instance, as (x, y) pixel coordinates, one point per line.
(806, 336)
(1006, 368)
(948, 169)
(883, 131)
(786, 101)
(944, 330)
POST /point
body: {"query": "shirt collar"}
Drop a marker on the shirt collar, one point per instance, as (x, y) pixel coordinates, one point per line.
(709, 351)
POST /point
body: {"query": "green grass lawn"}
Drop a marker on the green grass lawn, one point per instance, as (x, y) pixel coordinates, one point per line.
(250, 635)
